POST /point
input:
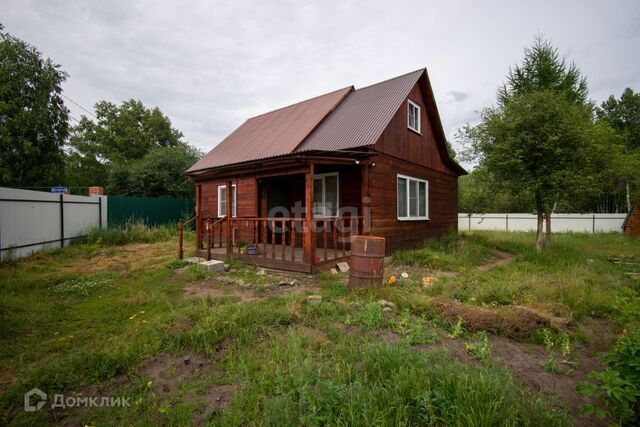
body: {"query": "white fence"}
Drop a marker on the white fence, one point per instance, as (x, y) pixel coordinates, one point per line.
(579, 223)
(34, 220)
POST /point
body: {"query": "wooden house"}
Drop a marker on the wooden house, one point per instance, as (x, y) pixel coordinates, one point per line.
(289, 188)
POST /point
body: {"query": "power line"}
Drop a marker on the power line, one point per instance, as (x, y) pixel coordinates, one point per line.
(79, 105)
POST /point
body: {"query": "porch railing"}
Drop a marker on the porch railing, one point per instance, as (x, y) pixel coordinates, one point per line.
(281, 238)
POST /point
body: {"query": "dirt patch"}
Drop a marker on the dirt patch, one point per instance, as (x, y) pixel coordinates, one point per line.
(216, 290)
(600, 333)
(505, 258)
(225, 286)
(525, 362)
(118, 258)
(511, 320)
(7, 378)
(166, 373)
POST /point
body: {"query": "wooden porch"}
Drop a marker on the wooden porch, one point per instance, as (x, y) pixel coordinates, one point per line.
(295, 241)
(279, 242)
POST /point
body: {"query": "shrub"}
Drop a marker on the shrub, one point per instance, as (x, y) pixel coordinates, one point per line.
(618, 383)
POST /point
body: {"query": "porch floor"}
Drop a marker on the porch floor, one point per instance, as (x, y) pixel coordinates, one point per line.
(267, 258)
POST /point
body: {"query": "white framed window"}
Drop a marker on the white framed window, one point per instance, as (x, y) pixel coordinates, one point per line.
(413, 116)
(222, 200)
(325, 195)
(413, 198)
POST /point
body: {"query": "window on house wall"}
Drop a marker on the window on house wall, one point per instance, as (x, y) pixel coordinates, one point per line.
(413, 198)
(413, 119)
(222, 200)
(325, 195)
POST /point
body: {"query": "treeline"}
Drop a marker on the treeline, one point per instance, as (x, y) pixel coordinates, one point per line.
(129, 149)
(547, 147)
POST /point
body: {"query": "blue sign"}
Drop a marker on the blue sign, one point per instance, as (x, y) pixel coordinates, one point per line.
(59, 189)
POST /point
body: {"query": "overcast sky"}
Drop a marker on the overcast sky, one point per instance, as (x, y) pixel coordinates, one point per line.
(210, 65)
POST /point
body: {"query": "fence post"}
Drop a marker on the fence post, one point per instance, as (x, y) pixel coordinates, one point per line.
(180, 228)
(507, 217)
(593, 228)
(99, 212)
(469, 222)
(61, 220)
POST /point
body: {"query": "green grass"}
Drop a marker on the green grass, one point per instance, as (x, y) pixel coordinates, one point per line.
(453, 252)
(574, 274)
(82, 315)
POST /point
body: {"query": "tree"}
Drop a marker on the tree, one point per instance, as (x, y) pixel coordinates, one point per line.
(33, 118)
(119, 135)
(160, 173)
(539, 137)
(542, 69)
(481, 192)
(538, 142)
(623, 116)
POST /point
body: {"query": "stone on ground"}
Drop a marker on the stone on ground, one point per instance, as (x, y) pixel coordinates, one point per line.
(343, 266)
(213, 265)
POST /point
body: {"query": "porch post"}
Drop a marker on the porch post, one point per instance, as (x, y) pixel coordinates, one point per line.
(198, 217)
(309, 244)
(365, 200)
(229, 217)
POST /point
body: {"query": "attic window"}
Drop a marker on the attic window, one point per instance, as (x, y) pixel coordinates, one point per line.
(413, 119)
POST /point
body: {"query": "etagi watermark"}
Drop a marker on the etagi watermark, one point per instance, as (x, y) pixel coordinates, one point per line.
(35, 399)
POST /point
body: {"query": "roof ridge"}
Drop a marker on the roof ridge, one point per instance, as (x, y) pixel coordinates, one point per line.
(300, 102)
(392, 78)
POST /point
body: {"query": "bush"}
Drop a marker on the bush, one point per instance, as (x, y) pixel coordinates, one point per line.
(618, 383)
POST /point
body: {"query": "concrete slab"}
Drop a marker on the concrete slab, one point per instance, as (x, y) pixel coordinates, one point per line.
(195, 259)
(343, 266)
(213, 265)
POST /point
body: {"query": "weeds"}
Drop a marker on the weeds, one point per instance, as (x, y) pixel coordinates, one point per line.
(83, 286)
(619, 384)
(458, 330)
(369, 315)
(478, 348)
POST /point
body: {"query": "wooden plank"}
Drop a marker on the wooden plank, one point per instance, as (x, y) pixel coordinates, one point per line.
(264, 237)
(293, 240)
(324, 237)
(273, 239)
(335, 238)
(309, 236)
(198, 216)
(283, 237)
(229, 215)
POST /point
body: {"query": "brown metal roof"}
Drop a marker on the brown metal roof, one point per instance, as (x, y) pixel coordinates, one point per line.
(361, 118)
(272, 134)
(340, 120)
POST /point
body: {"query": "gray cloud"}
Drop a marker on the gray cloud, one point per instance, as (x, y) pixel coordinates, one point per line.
(210, 65)
(459, 96)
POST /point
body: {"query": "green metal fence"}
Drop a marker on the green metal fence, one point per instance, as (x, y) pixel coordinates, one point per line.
(151, 210)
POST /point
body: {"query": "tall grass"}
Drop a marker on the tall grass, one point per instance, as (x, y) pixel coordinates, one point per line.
(135, 231)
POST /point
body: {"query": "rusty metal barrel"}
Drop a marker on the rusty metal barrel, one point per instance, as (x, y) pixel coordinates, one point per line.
(366, 266)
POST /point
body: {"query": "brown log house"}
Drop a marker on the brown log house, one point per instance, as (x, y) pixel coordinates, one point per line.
(289, 188)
